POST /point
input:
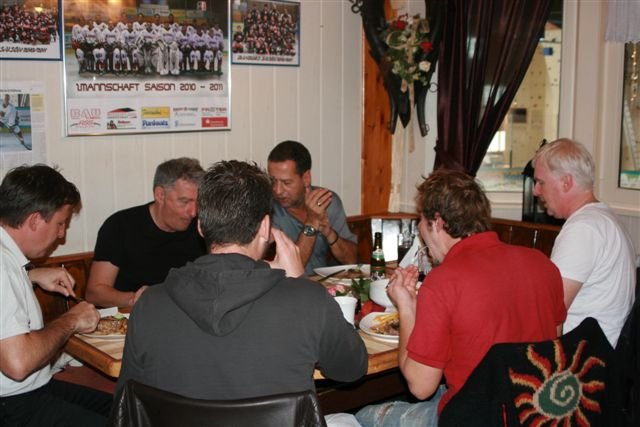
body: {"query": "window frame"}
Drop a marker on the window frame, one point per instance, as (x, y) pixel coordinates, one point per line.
(590, 108)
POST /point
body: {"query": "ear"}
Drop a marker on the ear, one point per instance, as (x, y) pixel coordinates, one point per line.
(264, 231)
(200, 229)
(158, 193)
(33, 220)
(438, 222)
(567, 183)
(306, 178)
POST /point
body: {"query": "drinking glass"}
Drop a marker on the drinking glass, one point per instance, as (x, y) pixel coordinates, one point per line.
(423, 262)
(405, 241)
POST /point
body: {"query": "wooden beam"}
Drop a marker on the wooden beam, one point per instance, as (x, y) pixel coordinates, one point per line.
(376, 144)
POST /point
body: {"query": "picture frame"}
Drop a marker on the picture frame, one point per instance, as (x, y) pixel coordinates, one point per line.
(149, 66)
(265, 32)
(31, 30)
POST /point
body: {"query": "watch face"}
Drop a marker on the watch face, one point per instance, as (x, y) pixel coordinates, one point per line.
(309, 230)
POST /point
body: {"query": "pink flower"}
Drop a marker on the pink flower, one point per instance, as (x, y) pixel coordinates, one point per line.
(332, 291)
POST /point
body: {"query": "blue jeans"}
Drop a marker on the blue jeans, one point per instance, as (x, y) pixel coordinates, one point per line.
(402, 414)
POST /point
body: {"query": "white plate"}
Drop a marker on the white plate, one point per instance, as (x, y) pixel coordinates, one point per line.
(368, 321)
(109, 336)
(326, 271)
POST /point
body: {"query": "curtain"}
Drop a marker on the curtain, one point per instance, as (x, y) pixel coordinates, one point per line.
(484, 55)
(623, 21)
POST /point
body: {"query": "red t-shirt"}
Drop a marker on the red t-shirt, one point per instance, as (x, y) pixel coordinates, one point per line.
(484, 292)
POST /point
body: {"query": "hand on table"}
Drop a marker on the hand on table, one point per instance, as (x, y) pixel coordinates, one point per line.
(54, 280)
(287, 255)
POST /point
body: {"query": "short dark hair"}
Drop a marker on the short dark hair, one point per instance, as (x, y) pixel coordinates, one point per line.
(292, 150)
(458, 198)
(38, 188)
(167, 173)
(233, 198)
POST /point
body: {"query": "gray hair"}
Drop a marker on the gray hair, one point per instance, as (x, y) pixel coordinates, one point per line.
(185, 168)
(567, 157)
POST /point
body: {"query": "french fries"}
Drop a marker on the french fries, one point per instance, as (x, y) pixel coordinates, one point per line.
(386, 324)
(385, 318)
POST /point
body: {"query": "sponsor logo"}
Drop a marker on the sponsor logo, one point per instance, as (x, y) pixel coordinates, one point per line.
(155, 112)
(155, 123)
(214, 122)
(85, 124)
(185, 123)
(122, 113)
(85, 113)
(185, 111)
(214, 112)
(121, 124)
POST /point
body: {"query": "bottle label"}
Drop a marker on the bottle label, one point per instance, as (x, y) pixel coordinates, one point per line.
(377, 264)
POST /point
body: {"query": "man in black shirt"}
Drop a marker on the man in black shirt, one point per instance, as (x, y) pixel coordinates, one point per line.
(137, 247)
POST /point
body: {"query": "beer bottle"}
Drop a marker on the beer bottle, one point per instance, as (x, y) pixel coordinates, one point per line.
(377, 258)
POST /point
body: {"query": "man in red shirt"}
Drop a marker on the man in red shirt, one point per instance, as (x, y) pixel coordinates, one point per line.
(480, 292)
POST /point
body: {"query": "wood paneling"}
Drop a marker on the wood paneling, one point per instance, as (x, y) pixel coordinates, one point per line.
(78, 265)
(532, 235)
(376, 138)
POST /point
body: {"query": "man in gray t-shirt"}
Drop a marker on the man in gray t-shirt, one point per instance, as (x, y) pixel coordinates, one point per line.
(311, 216)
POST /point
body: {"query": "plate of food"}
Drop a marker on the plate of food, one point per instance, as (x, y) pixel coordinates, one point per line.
(383, 326)
(344, 273)
(111, 327)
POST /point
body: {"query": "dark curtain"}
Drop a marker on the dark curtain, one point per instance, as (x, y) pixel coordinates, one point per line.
(485, 51)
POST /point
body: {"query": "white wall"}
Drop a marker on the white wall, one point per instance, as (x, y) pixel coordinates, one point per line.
(318, 104)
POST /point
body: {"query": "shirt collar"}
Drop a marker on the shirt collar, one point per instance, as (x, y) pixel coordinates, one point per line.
(7, 241)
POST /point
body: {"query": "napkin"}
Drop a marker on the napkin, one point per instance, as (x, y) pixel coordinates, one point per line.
(111, 311)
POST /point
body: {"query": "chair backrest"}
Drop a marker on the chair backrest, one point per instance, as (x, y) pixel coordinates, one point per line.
(623, 373)
(139, 405)
(536, 383)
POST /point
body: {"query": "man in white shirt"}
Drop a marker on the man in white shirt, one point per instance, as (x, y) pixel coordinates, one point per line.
(593, 252)
(36, 205)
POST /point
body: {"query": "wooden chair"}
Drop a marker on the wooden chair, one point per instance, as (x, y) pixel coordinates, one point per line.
(139, 405)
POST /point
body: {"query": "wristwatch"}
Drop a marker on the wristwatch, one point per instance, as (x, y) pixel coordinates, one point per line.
(309, 230)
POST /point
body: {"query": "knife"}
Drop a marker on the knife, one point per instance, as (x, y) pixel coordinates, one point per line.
(335, 273)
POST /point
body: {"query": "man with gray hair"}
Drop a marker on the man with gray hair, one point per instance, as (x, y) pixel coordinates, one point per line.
(137, 247)
(594, 254)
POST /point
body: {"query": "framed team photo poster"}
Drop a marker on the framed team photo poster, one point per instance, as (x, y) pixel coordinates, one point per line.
(265, 32)
(30, 29)
(146, 66)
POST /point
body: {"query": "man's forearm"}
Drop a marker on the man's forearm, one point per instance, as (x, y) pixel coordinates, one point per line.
(344, 251)
(107, 296)
(24, 354)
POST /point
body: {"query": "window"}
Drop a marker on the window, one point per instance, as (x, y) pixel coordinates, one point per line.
(630, 135)
(533, 115)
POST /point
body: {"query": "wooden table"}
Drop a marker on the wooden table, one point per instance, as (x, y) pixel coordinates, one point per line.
(383, 378)
(106, 354)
